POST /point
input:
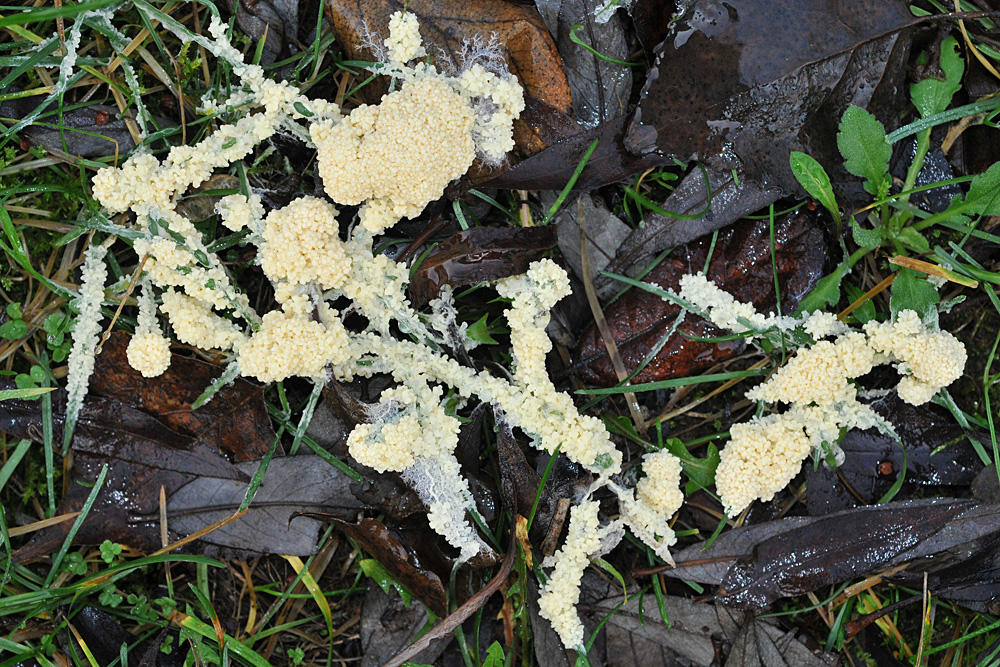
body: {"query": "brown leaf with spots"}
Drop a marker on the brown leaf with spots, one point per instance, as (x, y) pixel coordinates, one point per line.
(235, 421)
(446, 26)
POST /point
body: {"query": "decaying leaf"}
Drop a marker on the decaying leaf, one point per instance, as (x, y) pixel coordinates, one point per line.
(278, 20)
(201, 486)
(104, 637)
(938, 452)
(713, 199)
(388, 626)
(293, 485)
(476, 255)
(722, 94)
(696, 634)
(759, 564)
(237, 425)
(601, 87)
(605, 232)
(97, 130)
(741, 265)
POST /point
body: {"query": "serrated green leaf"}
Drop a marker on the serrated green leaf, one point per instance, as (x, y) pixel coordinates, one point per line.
(866, 152)
(914, 239)
(479, 331)
(983, 197)
(866, 311)
(826, 293)
(814, 179)
(911, 292)
(494, 656)
(866, 238)
(932, 95)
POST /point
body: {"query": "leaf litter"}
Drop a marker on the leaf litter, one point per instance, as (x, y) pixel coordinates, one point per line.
(743, 126)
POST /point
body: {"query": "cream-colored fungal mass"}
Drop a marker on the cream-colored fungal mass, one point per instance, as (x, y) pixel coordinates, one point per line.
(292, 344)
(400, 154)
(302, 245)
(760, 459)
(404, 43)
(818, 385)
(559, 598)
(149, 353)
(929, 360)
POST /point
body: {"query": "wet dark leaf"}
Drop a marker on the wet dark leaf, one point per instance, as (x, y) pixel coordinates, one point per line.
(445, 25)
(552, 168)
(651, 19)
(92, 131)
(201, 486)
(973, 582)
(741, 265)
(764, 98)
(605, 232)
(938, 451)
(235, 421)
(600, 88)
(388, 626)
(292, 485)
(718, 198)
(762, 644)
(404, 566)
(759, 564)
(697, 633)
(477, 255)
(549, 650)
(104, 637)
(277, 19)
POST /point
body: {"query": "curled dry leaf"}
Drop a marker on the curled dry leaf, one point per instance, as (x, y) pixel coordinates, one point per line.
(741, 265)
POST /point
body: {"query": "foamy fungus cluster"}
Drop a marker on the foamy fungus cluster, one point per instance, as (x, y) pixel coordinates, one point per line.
(817, 386)
(390, 159)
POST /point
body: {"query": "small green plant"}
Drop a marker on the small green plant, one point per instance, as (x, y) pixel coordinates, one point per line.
(891, 220)
(109, 551)
(15, 327)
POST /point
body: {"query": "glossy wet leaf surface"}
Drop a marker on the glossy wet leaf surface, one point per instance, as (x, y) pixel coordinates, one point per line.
(757, 565)
(938, 452)
(721, 94)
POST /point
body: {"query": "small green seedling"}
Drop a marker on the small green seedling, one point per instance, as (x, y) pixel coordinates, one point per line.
(15, 327)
